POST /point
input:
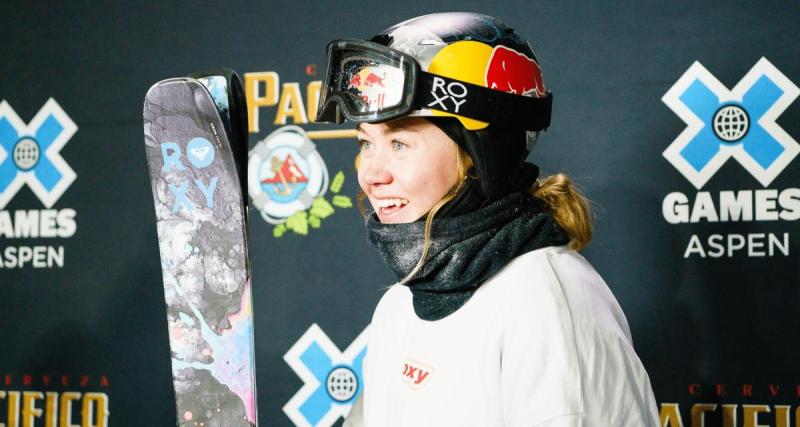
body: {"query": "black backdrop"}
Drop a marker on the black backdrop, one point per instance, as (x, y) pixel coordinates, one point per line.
(718, 330)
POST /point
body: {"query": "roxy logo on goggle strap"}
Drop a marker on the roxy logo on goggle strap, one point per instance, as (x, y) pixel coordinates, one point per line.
(377, 86)
(447, 96)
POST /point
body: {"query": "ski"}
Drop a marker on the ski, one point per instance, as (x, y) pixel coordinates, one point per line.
(195, 138)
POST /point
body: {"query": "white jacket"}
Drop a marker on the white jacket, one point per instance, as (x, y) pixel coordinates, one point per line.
(542, 343)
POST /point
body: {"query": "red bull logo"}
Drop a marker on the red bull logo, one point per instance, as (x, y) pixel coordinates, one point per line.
(355, 81)
(513, 72)
(370, 82)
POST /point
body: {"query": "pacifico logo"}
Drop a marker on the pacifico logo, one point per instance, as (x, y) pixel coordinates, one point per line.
(30, 154)
(740, 124)
(285, 174)
(331, 378)
(287, 179)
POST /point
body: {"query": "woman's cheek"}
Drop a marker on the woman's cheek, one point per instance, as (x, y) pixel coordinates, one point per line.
(361, 183)
(361, 165)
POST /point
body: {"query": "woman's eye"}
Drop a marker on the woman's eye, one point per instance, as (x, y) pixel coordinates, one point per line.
(364, 144)
(397, 145)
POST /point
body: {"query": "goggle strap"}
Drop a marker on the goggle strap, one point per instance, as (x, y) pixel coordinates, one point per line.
(480, 103)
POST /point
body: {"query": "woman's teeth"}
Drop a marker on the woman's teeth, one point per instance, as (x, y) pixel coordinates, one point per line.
(386, 203)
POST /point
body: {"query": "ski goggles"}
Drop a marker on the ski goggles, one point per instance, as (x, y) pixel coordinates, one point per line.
(369, 82)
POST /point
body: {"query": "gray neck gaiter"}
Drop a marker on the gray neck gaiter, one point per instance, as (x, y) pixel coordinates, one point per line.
(465, 250)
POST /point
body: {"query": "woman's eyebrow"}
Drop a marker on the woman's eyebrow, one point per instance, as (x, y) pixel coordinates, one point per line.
(389, 128)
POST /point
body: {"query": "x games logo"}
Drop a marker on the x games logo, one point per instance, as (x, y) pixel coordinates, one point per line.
(29, 154)
(331, 378)
(738, 123)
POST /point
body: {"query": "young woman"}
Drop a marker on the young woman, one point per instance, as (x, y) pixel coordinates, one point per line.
(496, 319)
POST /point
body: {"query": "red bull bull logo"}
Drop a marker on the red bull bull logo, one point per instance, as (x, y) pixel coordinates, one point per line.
(366, 78)
(355, 81)
(372, 80)
(513, 72)
(370, 85)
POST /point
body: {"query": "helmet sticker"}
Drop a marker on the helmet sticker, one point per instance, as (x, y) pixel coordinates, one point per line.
(513, 72)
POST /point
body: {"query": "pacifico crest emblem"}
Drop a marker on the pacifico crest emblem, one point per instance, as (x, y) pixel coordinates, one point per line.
(286, 174)
(287, 181)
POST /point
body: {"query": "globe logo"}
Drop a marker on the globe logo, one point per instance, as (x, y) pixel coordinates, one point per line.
(731, 123)
(26, 153)
(342, 384)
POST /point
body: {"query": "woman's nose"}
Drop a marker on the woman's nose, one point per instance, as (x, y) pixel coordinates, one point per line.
(375, 170)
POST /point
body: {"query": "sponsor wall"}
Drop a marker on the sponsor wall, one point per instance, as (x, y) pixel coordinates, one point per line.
(680, 121)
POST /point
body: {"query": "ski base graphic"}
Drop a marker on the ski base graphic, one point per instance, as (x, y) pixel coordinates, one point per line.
(202, 235)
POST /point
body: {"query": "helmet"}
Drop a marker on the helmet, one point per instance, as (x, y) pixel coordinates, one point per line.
(467, 67)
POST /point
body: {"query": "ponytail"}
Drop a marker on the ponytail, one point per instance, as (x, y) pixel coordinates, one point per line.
(569, 207)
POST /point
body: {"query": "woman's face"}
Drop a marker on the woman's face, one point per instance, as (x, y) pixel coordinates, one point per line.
(406, 166)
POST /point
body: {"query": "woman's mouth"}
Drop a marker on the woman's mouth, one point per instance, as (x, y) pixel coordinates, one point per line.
(389, 207)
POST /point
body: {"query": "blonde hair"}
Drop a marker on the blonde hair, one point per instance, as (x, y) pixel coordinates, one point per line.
(570, 208)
